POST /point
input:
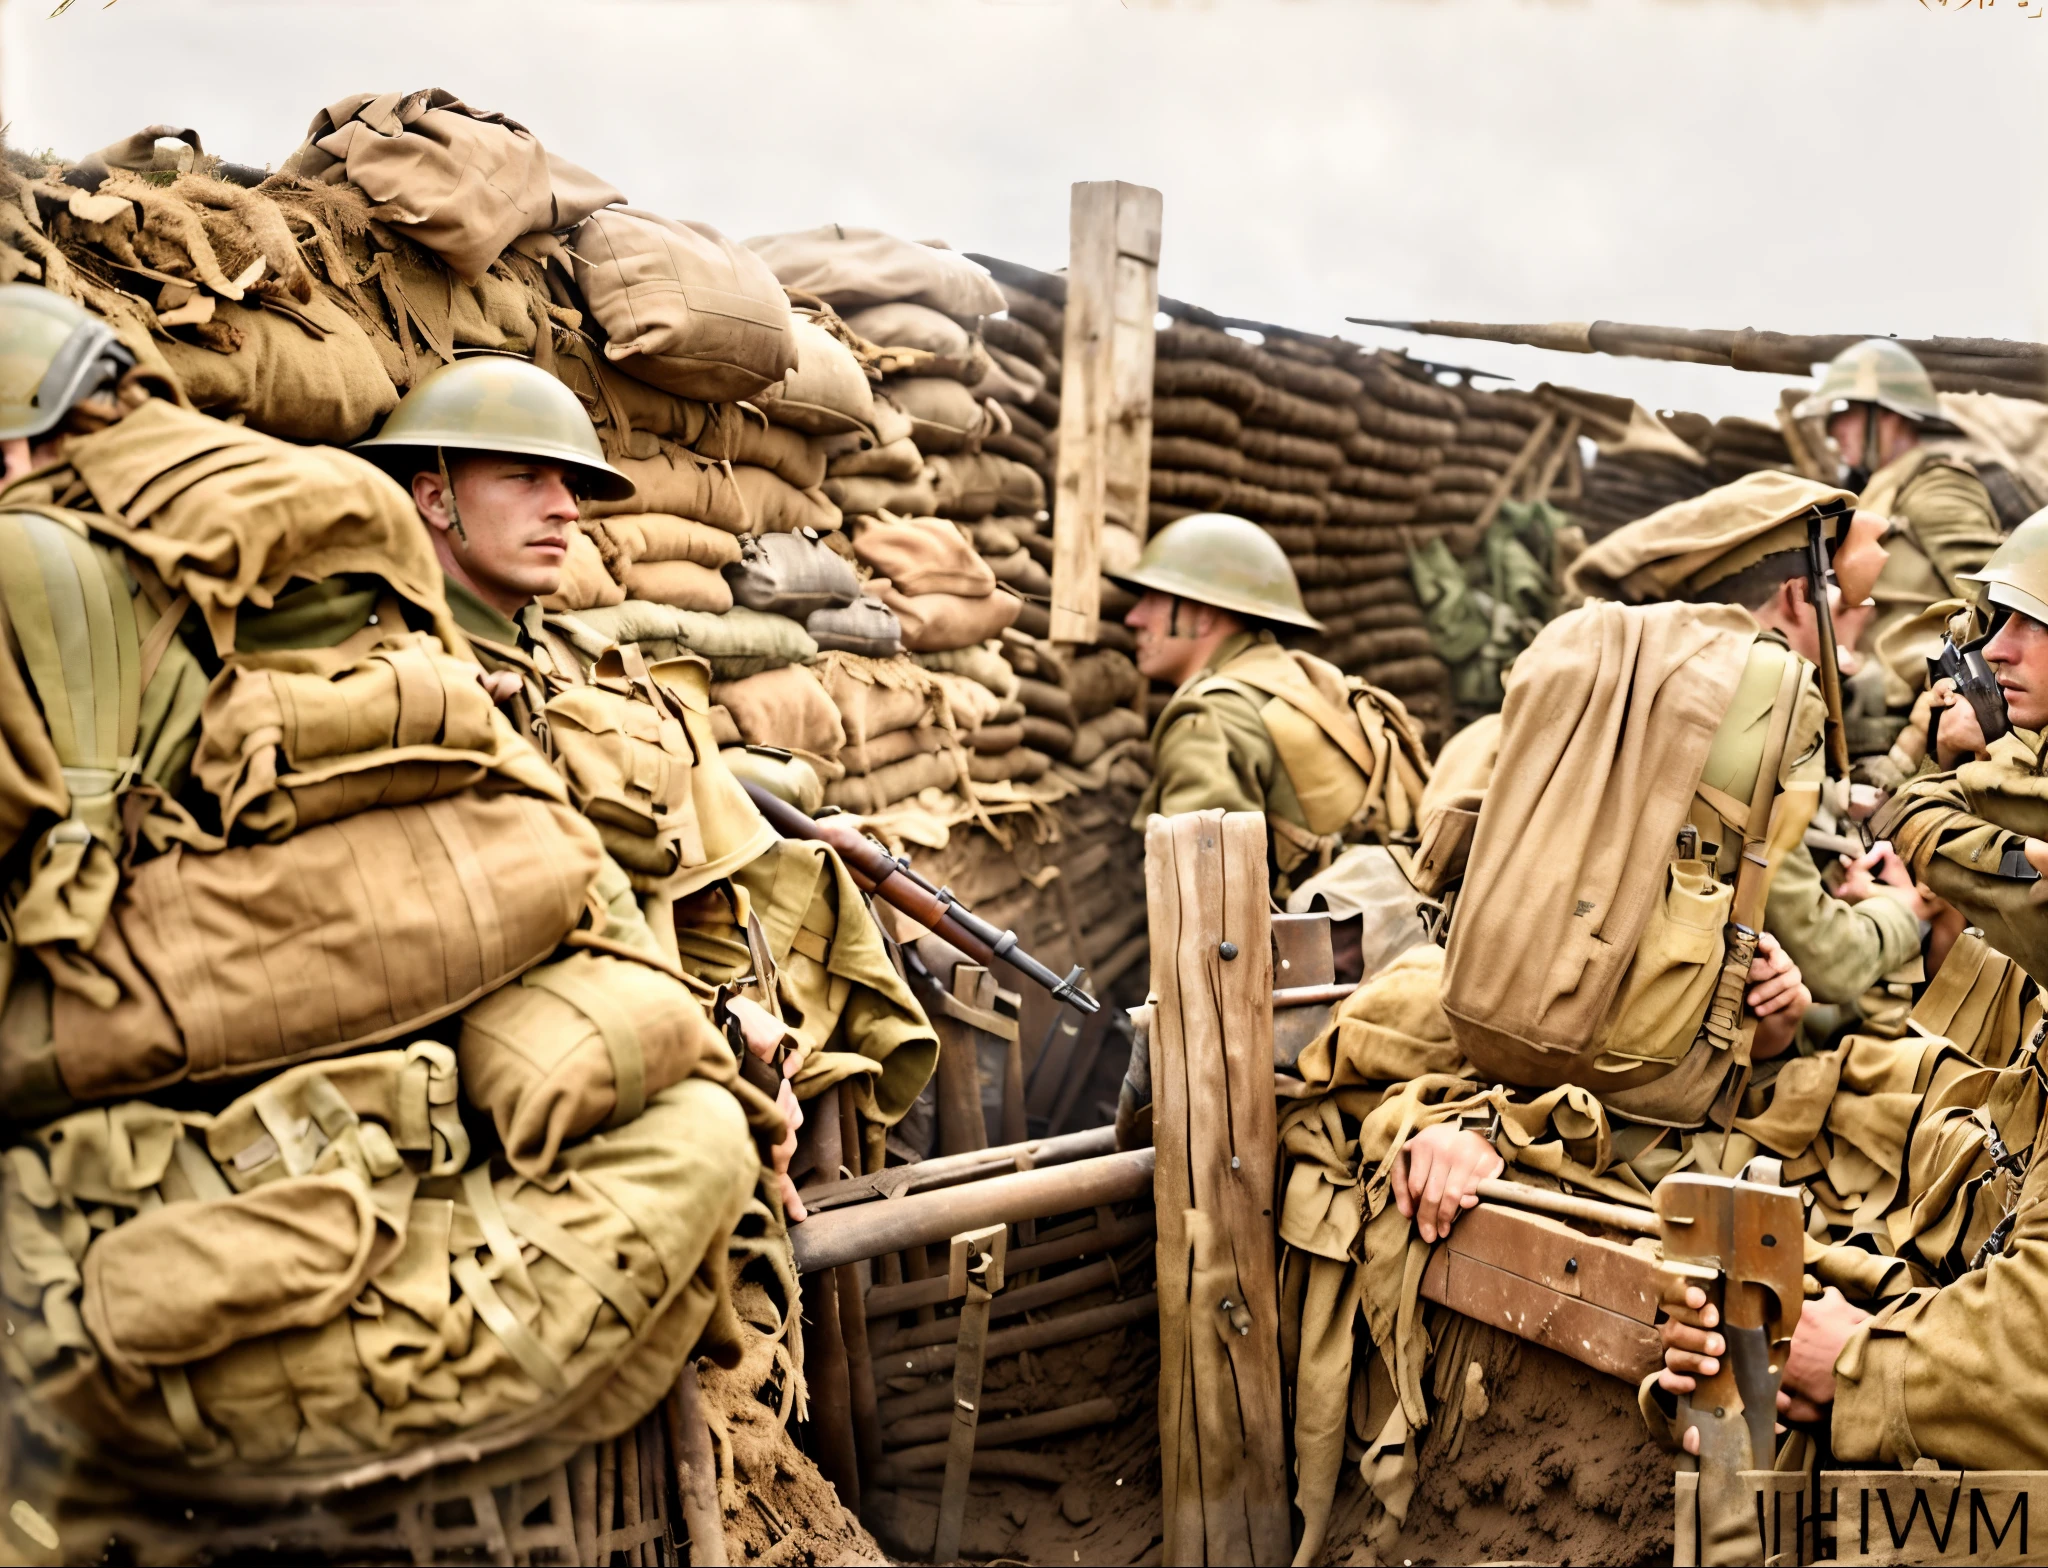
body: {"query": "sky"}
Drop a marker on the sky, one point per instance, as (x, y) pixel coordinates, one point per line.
(1827, 166)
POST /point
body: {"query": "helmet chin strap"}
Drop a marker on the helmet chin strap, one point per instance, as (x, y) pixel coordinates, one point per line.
(1872, 413)
(448, 498)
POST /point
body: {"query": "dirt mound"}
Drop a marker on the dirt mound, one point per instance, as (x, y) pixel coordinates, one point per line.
(1557, 1470)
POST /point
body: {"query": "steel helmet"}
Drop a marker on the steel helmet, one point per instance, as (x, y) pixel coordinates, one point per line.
(495, 403)
(52, 355)
(1229, 562)
(1877, 370)
(2016, 576)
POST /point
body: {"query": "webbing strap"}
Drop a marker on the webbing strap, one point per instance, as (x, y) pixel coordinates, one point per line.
(482, 1199)
(1313, 705)
(584, 1261)
(183, 1410)
(569, 982)
(485, 917)
(158, 642)
(534, 1358)
(207, 1183)
(75, 623)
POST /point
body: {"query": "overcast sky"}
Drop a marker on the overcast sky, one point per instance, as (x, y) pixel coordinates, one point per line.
(1867, 165)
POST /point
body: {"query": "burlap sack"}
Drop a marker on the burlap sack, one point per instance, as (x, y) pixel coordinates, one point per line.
(875, 696)
(739, 643)
(282, 750)
(344, 935)
(1051, 736)
(982, 662)
(786, 708)
(922, 555)
(968, 703)
(1020, 766)
(791, 574)
(176, 1330)
(868, 497)
(683, 585)
(933, 622)
(867, 793)
(655, 536)
(827, 394)
(1105, 730)
(463, 182)
(775, 506)
(955, 352)
(852, 268)
(1102, 680)
(682, 306)
(944, 415)
(678, 482)
(867, 627)
(577, 1045)
(995, 739)
(883, 750)
(301, 372)
(230, 515)
(968, 485)
(898, 459)
(1044, 699)
(587, 583)
(783, 774)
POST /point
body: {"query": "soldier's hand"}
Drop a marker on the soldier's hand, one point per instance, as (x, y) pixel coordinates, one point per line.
(1691, 1348)
(761, 1029)
(1958, 737)
(785, 1151)
(1878, 872)
(1824, 1327)
(502, 685)
(1778, 996)
(1437, 1174)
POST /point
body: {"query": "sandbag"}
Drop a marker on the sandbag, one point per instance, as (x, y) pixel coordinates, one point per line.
(738, 643)
(883, 750)
(578, 1045)
(790, 574)
(1051, 736)
(867, 627)
(969, 704)
(827, 394)
(1105, 730)
(867, 497)
(587, 583)
(872, 792)
(655, 536)
(463, 182)
(995, 739)
(1020, 766)
(980, 662)
(956, 352)
(775, 506)
(786, 708)
(682, 584)
(680, 483)
(944, 415)
(178, 1329)
(852, 268)
(282, 750)
(936, 621)
(783, 774)
(1020, 572)
(683, 308)
(875, 696)
(922, 555)
(1102, 680)
(300, 372)
(898, 459)
(742, 434)
(344, 935)
(966, 486)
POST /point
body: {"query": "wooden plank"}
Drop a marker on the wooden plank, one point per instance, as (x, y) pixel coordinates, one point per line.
(1608, 1274)
(1622, 1347)
(962, 1128)
(1105, 448)
(1179, 1457)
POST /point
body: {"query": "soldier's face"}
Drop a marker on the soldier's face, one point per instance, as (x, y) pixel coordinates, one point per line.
(1174, 637)
(517, 516)
(2019, 655)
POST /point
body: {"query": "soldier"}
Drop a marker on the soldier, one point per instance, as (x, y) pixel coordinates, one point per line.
(1251, 727)
(1878, 403)
(1744, 545)
(61, 371)
(498, 456)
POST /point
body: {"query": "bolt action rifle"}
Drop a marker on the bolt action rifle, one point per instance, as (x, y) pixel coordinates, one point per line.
(1966, 669)
(935, 908)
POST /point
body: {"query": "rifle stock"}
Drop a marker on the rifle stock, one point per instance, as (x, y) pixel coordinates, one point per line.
(935, 908)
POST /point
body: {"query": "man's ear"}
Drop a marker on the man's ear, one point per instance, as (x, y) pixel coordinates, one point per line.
(428, 498)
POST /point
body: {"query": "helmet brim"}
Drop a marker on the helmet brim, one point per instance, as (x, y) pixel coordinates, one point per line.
(1139, 580)
(600, 481)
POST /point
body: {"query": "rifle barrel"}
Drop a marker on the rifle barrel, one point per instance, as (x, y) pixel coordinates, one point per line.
(1615, 1216)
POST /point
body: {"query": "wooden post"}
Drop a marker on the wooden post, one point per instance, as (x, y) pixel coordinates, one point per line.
(1105, 461)
(696, 1472)
(977, 1274)
(1223, 1455)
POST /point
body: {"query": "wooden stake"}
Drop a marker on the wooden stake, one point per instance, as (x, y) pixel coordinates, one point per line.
(1222, 1445)
(1105, 455)
(831, 1399)
(696, 1472)
(977, 1272)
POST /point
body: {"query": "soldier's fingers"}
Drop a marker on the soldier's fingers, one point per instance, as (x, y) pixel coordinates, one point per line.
(1675, 1382)
(1686, 1361)
(1402, 1200)
(1691, 1340)
(1691, 1441)
(1801, 1410)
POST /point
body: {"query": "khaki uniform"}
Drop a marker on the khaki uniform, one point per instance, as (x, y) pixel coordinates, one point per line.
(1253, 731)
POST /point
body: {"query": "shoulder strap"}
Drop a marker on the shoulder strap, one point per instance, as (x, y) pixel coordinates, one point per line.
(1340, 724)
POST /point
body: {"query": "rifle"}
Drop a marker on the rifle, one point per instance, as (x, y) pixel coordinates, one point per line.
(1824, 622)
(1974, 682)
(935, 908)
